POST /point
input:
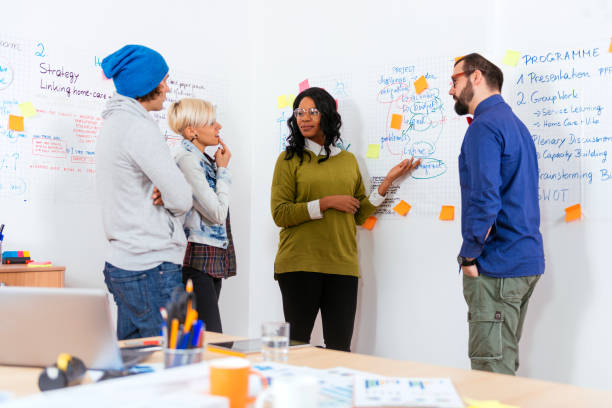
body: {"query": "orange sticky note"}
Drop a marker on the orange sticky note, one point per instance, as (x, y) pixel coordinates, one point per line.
(396, 121)
(458, 58)
(16, 123)
(420, 84)
(573, 213)
(447, 213)
(610, 49)
(402, 208)
(369, 223)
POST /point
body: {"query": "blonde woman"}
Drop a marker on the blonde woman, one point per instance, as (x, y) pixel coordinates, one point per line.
(210, 255)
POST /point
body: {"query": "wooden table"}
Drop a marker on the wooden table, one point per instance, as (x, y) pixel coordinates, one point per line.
(479, 385)
(22, 275)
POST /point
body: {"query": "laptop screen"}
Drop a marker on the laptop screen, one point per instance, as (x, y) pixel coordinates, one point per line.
(37, 324)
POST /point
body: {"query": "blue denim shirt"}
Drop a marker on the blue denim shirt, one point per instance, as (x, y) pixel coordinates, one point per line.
(498, 172)
(205, 222)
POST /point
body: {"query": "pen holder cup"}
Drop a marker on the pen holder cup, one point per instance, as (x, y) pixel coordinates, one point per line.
(181, 357)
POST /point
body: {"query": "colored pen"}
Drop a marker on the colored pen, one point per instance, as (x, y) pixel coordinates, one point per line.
(174, 333)
(164, 328)
(179, 336)
(192, 316)
(189, 290)
(196, 331)
(201, 336)
(142, 343)
(190, 319)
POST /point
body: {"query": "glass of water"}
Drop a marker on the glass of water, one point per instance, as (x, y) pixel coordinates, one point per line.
(275, 341)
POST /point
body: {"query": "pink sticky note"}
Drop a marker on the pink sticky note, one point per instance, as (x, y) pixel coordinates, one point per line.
(304, 85)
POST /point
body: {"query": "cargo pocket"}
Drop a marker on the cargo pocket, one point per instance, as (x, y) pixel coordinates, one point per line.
(485, 341)
(132, 289)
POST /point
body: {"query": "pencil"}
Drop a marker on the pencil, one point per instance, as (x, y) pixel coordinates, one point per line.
(189, 290)
(174, 333)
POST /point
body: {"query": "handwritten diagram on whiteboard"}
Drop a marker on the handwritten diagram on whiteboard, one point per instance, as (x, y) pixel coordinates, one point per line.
(51, 100)
(406, 123)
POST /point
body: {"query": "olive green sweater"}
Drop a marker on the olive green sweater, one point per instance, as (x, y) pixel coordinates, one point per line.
(326, 245)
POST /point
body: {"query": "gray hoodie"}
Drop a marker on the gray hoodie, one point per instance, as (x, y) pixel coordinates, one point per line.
(132, 157)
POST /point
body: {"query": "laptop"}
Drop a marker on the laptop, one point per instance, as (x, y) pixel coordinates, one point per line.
(37, 324)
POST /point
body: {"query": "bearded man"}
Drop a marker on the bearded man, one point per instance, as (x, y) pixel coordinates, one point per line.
(502, 256)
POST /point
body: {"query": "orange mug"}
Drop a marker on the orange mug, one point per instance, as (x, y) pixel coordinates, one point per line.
(229, 377)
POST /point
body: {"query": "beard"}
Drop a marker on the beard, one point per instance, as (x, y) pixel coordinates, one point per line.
(464, 98)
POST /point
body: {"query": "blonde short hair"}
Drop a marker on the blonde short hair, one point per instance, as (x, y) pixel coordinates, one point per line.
(190, 112)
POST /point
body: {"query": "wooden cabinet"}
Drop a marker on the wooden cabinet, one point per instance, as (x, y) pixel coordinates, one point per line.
(22, 275)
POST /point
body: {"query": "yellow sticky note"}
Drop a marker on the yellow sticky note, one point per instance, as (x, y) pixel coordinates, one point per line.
(420, 84)
(27, 109)
(290, 100)
(373, 151)
(396, 121)
(402, 208)
(511, 58)
(369, 223)
(15, 123)
(610, 49)
(447, 213)
(458, 58)
(282, 102)
(573, 213)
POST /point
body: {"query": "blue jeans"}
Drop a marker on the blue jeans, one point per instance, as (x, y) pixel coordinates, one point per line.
(139, 295)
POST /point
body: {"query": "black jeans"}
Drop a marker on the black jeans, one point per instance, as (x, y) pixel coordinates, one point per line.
(304, 293)
(207, 290)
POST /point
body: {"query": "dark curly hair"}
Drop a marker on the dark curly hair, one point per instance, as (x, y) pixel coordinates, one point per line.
(330, 123)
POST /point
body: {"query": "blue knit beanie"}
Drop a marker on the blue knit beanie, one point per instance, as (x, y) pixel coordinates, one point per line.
(136, 70)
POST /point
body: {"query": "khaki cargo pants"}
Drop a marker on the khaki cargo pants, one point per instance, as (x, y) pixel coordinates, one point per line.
(497, 309)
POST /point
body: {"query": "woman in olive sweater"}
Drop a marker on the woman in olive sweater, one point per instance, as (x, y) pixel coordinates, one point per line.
(318, 198)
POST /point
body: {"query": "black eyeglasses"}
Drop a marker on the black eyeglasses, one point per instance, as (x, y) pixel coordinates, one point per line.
(312, 112)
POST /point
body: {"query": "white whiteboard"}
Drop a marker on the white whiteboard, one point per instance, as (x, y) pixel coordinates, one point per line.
(53, 157)
(562, 95)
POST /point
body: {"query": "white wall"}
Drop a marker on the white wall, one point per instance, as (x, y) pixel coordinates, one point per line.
(410, 303)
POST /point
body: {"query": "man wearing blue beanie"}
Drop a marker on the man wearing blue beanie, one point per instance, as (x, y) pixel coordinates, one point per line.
(134, 171)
